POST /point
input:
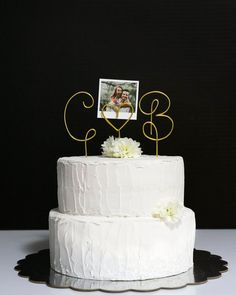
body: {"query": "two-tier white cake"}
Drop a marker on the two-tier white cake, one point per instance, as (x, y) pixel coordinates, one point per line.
(117, 218)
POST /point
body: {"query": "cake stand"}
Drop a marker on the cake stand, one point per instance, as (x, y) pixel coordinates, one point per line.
(36, 267)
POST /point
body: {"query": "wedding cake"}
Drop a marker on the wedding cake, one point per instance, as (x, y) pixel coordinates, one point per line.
(121, 216)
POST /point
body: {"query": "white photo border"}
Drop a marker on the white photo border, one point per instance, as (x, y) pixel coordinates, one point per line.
(112, 114)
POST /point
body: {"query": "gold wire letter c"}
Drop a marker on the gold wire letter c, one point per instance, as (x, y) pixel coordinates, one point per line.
(91, 131)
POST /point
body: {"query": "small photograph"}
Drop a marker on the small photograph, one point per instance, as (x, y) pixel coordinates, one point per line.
(118, 99)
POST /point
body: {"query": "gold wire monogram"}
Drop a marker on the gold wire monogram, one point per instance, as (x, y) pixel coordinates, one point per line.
(92, 130)
(91, 133)
(154, 107)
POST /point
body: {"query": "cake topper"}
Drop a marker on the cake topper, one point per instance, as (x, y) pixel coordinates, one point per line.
(124, 108)
(154, 107)
(92, 130)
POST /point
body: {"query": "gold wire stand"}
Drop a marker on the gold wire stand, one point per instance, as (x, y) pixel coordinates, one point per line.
(154, 107)
(116, 109)
(87, 137)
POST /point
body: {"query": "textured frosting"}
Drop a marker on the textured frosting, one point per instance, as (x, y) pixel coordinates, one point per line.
(101, 186)
(114, 248)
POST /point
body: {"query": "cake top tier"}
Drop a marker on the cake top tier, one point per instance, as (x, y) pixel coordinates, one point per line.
(103, 160)
(101, 186)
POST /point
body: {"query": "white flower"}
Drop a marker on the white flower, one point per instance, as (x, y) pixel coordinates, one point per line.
(169, 211)
(121, 148)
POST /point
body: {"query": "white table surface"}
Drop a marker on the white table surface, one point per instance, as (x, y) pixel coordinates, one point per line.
(15, 245)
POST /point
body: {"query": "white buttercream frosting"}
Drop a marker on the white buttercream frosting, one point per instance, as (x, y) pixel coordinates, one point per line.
(101, 186)
(116, 248)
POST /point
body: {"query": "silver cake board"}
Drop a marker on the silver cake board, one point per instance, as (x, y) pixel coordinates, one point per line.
(36, 267)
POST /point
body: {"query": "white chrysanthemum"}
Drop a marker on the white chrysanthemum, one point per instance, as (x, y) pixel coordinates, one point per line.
(170, 211)
(121, 148)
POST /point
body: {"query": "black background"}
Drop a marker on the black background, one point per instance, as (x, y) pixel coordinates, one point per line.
(51, 49)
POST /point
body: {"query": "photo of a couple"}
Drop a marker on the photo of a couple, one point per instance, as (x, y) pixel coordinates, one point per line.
(118, 98)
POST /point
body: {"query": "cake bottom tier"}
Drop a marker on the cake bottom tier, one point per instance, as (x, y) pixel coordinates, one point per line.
(120, 248)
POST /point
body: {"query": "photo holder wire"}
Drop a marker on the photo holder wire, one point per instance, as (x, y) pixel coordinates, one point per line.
(117, 110)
